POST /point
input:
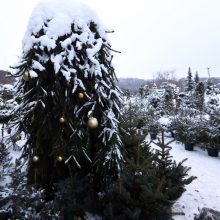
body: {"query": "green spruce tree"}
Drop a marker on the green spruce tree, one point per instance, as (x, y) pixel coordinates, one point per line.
(168, 99)
(200, 96)
(173, 176)
(189, 81)
(196, 78)
(150, 180)
(188, 99)
(135, 195)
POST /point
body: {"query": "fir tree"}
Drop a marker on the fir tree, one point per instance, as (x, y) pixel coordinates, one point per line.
(155, 98)
(188, 100)
(148, 184)
(136, 195)
(4, 163)
(189, 81)
(141, 91)
(199, 96)
(25, 202)
(6, 103)
(173, 176)
(70, 104)
(144, 91)
(196, 78)
(168, 100)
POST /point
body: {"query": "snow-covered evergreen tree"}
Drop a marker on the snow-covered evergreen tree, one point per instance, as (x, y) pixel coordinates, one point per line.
(4, 164)
(199, 96)
(144, 91)
(189, 91)
(6, 102)
(170, 92)
(155, 98)
(70, 104)
(172, 175)
(196, 78)
(209, 85)
(189, 81)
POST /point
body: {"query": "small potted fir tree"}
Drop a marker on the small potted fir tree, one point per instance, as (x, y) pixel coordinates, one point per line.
(214, 135)
(153, 128)
(213, 145)
(211, 138)
(186, 133)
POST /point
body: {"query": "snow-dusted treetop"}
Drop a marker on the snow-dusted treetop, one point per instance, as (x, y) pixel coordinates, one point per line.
(58, 15)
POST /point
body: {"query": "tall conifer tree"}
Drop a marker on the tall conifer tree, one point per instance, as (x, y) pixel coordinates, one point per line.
(189, 81)
(200, 95)
(70, 104)
(196, 79)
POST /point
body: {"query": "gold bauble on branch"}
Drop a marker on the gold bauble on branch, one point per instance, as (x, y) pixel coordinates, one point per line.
(18, 137)
(80, 95)
(61, 119)
(59, 158)
(35, 158)
(92, 122)
(25, 76)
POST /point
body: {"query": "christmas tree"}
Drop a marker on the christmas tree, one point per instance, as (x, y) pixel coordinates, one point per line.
(69, 105)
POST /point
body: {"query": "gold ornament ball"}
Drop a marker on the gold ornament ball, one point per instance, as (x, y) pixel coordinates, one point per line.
(35, 158)
(62, 119)
(26, 76)
(92, 122)
(60, 158)
(81, 95)
(18, 137)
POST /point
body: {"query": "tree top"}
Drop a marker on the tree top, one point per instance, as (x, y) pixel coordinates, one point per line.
(55, 17)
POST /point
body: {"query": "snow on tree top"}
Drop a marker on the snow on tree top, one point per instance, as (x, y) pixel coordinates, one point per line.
(56, 18)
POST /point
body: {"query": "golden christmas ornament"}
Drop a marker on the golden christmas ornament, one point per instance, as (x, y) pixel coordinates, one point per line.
(61, 119)
(25, 76)
(60, 158)
(92, 122)
(18, 137)
(81, 95)
(35, 158)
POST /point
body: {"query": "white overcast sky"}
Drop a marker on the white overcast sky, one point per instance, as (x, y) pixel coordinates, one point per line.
(153, 35)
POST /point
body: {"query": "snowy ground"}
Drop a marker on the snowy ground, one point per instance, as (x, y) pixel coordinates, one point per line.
(205, 190)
